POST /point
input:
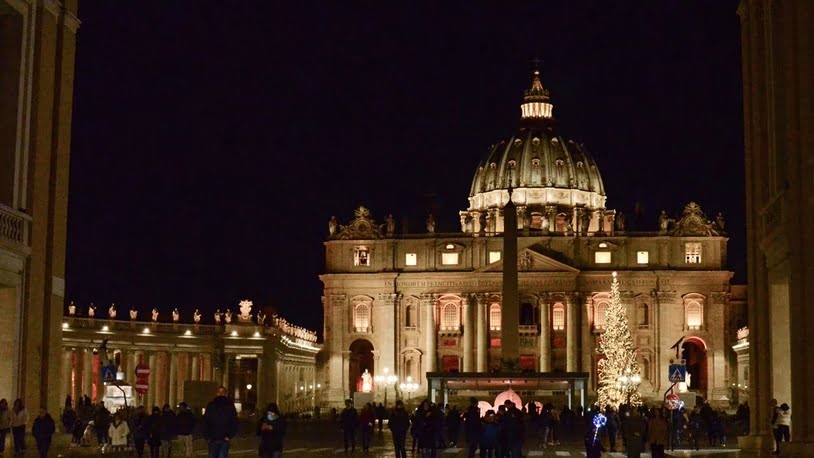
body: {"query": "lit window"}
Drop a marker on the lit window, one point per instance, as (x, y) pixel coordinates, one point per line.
(494, 256)
(602, 257)
(361, 256)
(450, 246)
(361, 318)
(692, 253)
(449, 259)
(642, 257)
(599, 315)
(494, 317)
(449, 317)
(695, 315)
(603, 245)
(410, 259)
(558, 317)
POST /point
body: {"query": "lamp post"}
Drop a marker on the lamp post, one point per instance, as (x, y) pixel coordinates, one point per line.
(409, 387)
(627, 383)
(387, 379)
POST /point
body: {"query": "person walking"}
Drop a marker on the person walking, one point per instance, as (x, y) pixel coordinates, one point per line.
(366, 420)
(43, 429)
(118, 432)
(453, 425)
(657, 433)
(5, 424)
(271, 430)
(101, 423)
(349, 420)
(399, 424)
(220, 424)
(154, 432)
(167, 430)
(141, 432)
(381, 412)
(472, 427)
(612, 426)
(185, 425)
(19, 418)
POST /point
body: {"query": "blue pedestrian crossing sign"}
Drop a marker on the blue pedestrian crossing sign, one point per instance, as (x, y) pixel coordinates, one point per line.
(677, 373)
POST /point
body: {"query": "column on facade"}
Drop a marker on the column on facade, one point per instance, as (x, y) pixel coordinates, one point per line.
(195, 371)
(151, 392)
(551, 216)
(571, 333)
(173, 379)
(430, 332)
(226, 372)
(87, 372)
(545, 334)
(258, 383)
(482, 305)
(67, 366)
(587, 338)
(469, 334)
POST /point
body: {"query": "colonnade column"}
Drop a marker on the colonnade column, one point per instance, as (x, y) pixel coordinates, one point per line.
(226, 372)
(587, 338)
(571, 333)
(173, 388)
(67, 369)
(194, 370)
(481, 304)
(87, 372)
(545, 334)
(151, 391)
(430, 331)
(258, 388)
(469, 334)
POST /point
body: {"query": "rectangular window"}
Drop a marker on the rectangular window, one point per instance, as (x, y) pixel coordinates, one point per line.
(558, 317)
(528, 363)
(642, 257)
(361, 256)
(410, 259)
(692, 252)
(602, 257)
(494, 256)
(494, 342)
(449, 259)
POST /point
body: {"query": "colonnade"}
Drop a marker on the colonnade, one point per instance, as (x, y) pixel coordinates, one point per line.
(168, 371)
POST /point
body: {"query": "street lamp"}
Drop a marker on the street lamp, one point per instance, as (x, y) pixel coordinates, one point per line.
(387, 379)
(627, 383)
(409, 387)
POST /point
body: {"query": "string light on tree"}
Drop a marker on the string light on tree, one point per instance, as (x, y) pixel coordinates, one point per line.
(616, 345)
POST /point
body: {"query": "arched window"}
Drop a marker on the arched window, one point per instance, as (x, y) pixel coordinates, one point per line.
(361, 318)
(449, 317)
(526, 314)
(494, 317)
(644, 314)
(410, 316)
(558, 317)
(645, 364)
(695, 315)
(599, 314)
(408, 368)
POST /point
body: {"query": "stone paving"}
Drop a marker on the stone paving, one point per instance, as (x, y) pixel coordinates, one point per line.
(311, 439)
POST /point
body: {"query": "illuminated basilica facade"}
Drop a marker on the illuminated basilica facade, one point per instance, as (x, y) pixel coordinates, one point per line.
(431, 302)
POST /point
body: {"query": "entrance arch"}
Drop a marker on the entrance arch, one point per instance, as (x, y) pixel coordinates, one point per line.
(361, 358)
(694, 352)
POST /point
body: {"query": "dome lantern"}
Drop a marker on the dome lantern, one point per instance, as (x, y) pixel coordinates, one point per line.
(536, 102)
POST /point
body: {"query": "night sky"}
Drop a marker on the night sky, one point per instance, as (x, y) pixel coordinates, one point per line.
(212, 141)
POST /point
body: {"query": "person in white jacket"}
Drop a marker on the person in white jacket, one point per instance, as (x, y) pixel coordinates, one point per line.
(19, 419)
(118, 432)
(783, 423)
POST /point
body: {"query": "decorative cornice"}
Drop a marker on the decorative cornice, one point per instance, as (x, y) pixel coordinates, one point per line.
(52, 6)
(70, 21)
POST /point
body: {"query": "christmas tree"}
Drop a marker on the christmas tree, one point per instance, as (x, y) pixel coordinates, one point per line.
(618, 369)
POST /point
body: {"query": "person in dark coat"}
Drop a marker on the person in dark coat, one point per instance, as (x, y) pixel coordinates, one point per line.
(167, 429)
(42, 431)
(593, 445)
(271, 430)
(141, 430)
(366, 420)
(488, 436)
(453, 425)
(220, 424)
(612, 426)
(101, 423)
(185, 426)
(399, 424)
(633, 430)
(349, 420)
(426, 424)
(69, 420)
(381, 412)
(153, 426)
(472, 427)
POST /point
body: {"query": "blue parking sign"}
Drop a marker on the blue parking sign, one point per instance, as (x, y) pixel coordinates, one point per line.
(677, 373)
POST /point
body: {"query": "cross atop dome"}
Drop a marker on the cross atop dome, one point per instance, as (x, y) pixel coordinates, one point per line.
(536, 101)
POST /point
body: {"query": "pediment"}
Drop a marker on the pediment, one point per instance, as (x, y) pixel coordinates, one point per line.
(529, 260)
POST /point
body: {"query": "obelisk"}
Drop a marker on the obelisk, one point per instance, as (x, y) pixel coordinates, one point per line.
(510, 307)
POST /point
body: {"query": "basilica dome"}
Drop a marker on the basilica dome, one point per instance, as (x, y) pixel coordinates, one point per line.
(548, 173)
